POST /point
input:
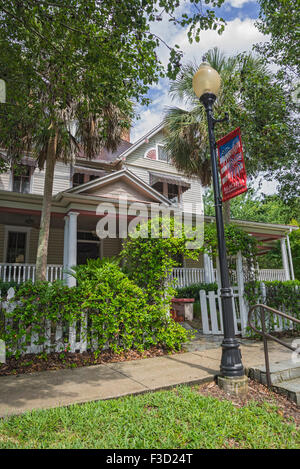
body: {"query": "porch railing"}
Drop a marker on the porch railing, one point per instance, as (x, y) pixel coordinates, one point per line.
(22, 272)
(265, 275)
(186, 276)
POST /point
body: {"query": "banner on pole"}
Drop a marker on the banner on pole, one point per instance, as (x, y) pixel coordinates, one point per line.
(232, 165)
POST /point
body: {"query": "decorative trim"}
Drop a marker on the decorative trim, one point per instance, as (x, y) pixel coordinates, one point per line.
(152, 149)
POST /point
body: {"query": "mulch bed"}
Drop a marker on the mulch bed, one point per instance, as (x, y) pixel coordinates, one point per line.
(256, 392)
(31, 363)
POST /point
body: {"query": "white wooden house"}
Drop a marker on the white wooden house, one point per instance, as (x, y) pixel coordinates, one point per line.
(141, 172)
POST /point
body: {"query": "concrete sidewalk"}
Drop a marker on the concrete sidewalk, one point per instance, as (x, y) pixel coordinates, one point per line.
(69, 386)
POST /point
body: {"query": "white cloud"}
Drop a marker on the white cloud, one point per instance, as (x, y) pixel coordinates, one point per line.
(239, 36)
(238, 3)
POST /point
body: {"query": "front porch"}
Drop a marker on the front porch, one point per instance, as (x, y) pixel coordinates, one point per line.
(184, 276)
(73, 231)
(73, 240)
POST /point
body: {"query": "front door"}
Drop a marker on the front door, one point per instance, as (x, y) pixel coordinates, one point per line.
(87, 251)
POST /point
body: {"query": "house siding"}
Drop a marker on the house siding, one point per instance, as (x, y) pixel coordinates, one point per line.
(2, 235)
(55, 247)
(191, 263)
(141, 167)
(61, 181)
(111, 247)
(5, 181)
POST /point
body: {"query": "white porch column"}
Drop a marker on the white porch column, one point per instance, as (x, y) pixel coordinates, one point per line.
(290, 257)
(241, 289)
(285, 259)
(71, 249)
(207, 268)
(66, 241)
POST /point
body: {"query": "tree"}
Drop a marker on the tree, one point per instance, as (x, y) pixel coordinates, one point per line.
(266, 209)
(82, 61)
(280, 20)
(255, 102)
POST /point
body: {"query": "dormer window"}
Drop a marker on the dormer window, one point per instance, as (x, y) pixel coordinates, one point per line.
(82, 178)
(158, 153)
(78, 179)
(21, 179)
(162, 155)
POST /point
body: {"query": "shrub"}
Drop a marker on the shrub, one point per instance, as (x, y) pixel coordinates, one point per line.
(35, 304)
(192, 291)
(5, 286)
(150, 258)
(119, 315)
(283, 296)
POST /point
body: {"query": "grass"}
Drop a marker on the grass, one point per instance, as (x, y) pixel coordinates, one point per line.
(177, 419)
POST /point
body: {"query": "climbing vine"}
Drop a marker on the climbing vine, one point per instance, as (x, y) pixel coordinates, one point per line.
(237, 240)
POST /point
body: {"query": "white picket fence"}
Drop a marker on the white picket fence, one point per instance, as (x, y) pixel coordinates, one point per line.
(212, 318)
(211, 312)
(55, 337)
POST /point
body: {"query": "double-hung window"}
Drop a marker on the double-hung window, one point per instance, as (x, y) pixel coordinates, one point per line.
(16, 247)
(21, 180)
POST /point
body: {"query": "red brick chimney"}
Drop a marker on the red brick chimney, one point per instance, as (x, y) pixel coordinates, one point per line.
(126, 135)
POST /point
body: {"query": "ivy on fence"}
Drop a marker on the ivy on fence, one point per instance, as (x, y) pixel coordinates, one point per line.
(115, 312)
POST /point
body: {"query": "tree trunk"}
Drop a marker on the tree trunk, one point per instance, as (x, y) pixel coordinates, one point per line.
(226, 212)
(42, 251)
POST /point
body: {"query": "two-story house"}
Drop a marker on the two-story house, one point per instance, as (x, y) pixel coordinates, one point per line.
(136, 173)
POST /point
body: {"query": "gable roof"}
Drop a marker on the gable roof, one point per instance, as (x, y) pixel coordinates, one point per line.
(129, 176)
(140, 142)
(106, 155)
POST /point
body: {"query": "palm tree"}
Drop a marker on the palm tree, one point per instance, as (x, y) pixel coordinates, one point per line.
(58, 143)
(186, 138)
(52, 139)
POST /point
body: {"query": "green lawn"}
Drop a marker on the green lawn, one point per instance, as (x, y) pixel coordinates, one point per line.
(180, 418)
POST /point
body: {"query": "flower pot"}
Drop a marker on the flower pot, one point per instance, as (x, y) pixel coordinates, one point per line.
(182, 309)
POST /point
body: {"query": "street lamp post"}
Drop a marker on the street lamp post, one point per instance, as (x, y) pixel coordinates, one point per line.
(206, 85)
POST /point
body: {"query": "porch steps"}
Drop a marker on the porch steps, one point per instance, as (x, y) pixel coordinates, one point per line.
(285, 378)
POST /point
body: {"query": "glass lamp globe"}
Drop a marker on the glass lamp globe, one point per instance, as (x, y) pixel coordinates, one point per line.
(206, 80)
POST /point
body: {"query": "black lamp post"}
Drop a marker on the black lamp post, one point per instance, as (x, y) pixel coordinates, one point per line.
(206, 84)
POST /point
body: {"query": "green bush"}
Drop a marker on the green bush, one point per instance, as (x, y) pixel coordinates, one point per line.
(283, 296)
(121, 315)
(118, 312)
(34, 305)
(192, 291)
(5, 286)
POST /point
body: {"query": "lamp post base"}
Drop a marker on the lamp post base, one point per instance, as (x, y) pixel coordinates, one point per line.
(231, 362)
(234, 386)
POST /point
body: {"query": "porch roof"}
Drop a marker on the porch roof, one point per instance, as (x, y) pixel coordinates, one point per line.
(266, 233)
(31, 204)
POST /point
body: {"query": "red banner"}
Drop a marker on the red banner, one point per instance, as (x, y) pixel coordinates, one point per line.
(232, 165)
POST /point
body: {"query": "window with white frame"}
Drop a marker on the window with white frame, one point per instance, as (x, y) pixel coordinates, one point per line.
(22, 179)
(16, 247)
(162, 155)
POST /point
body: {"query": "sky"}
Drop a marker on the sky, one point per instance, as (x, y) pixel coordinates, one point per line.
(239, 36)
